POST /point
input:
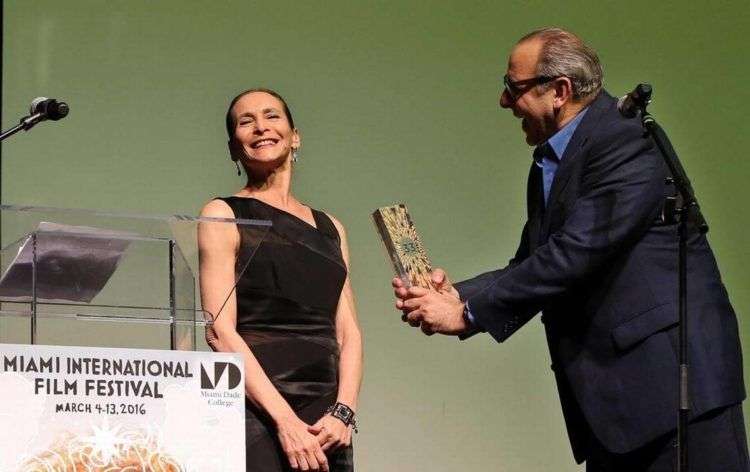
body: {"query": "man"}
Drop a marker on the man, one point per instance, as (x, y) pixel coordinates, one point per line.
(598, 258)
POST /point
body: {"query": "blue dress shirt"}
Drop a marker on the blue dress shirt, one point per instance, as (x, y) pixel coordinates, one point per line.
(547, 156)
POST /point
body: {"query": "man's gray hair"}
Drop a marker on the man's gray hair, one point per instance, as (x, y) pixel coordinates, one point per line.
(565, 54)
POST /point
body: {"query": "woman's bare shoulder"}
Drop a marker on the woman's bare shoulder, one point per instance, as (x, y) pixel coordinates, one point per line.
(217, 208)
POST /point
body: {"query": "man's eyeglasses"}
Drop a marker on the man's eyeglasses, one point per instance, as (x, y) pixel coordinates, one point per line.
(519, 87)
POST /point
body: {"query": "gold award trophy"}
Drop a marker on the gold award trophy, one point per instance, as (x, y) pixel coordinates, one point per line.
(403, 245)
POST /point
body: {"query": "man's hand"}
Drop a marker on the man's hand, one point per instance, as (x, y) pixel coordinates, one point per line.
(440, 281)
(433, 311)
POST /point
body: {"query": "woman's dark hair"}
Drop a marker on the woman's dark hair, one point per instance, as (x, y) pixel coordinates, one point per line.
(230, 121)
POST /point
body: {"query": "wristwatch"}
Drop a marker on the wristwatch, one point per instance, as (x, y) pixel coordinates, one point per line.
(344, 414)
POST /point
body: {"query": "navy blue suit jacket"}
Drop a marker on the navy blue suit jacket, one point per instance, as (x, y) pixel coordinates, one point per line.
(604, 271)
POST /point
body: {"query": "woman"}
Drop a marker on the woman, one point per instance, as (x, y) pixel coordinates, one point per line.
(292, 315)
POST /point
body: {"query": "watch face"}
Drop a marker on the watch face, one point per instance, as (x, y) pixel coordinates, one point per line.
(343, 412)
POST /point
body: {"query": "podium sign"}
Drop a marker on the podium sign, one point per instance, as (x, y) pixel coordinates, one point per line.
(73, 408)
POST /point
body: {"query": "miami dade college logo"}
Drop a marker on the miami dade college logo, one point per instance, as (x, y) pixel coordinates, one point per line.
(211, 382)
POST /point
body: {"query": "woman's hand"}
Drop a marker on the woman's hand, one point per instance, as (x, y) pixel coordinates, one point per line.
(300, 446)
(332, 433)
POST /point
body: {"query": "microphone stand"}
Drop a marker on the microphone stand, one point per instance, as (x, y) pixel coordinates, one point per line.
(688, 211)
(25, 124)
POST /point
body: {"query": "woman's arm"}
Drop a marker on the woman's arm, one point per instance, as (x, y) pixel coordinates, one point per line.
(349, 339)
(218, 245)
(348, 336)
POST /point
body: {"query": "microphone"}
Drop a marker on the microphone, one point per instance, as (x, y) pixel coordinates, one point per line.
(48, 109)
(638, 99)
(41, 109)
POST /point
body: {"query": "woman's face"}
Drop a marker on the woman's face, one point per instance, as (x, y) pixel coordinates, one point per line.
(262, 133)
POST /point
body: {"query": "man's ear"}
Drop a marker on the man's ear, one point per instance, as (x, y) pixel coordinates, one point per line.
(563, 88)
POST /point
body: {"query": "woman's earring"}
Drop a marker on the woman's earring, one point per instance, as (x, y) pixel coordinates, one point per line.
(295, 155)
(238, 168)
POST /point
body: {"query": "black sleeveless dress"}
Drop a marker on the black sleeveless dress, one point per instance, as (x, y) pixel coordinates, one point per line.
(286, 313)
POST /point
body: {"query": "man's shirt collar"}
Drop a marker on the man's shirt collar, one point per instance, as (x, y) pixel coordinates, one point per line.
(549, 154)
(559, 141)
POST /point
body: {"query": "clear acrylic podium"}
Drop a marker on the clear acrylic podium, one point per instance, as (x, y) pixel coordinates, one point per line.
(89, 278)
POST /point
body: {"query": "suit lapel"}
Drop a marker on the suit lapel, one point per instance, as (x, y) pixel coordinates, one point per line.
(570, 157)
(534, 205)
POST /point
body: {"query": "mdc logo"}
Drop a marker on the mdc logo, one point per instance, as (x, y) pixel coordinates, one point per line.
(211, 382)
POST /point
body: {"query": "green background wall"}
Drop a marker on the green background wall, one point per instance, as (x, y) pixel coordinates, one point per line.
(396, 101)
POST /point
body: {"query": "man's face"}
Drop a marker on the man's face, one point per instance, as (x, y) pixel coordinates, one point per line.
(533, 103)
